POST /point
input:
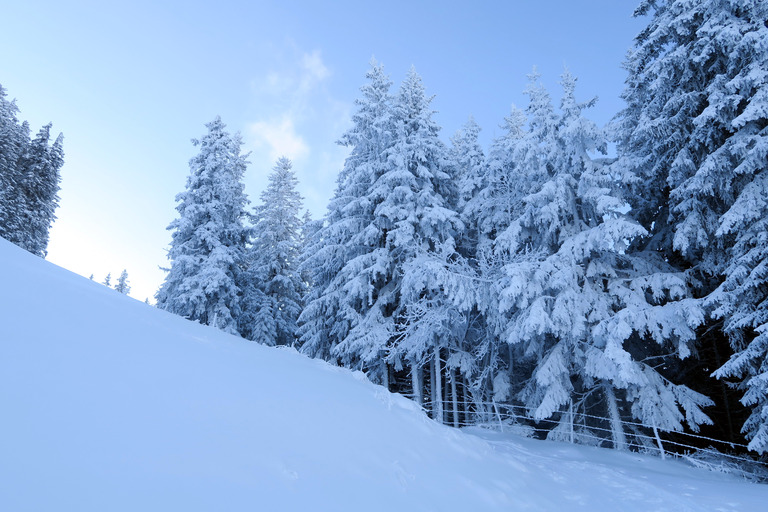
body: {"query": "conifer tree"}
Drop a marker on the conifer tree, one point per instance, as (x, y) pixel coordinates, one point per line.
(12, 140)
(405, 315)
(38, 191)
(694, 131)
(122, 285)
(273, 297)
(341, 257)
(209, 238)
(29, 180)
(589, 313)
(466, 167)
(309, 232)
(107, 280)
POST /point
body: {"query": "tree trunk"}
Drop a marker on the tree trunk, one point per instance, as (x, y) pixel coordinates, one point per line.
(617, 429)
(465, 404)
(385, 374)
(416, 381)
(455, 398)
(438, 387)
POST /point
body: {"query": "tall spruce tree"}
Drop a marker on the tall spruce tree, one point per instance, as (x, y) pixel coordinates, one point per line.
(39, 186)
(29, 180)
(208, 245)
(741, 117)
(585, 311)
(694, 131)
(406, 316)
(342, 256)
(12, 141)
(466, 166)
(273, 297)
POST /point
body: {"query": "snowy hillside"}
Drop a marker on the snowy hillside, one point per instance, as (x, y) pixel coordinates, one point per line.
(110, 405)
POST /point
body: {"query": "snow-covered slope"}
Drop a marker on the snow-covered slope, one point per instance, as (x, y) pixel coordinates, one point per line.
(107, 404)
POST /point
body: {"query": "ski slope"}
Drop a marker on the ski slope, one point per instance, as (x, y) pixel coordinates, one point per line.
(108, 404)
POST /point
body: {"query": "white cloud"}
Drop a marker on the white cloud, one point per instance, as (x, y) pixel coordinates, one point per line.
(313, 70)
(280, 137)
(297, 116)
(291, 98)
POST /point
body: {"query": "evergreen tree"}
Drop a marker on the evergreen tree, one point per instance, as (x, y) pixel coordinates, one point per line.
(389, 211)
(466, 167)
(38, 191)
(694, 131)
(309, 232)
(107, 280)
(208, 244)
(587, 312)
(347, 245)
(29, 180)
(405, 315)
(516, 162)
(12, 142)
(491, 191)
(273, 299)
(122, 285)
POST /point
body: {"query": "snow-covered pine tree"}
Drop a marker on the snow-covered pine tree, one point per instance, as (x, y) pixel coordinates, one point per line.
(407, 314)
(344, 251)
(107, 280)
(12, 143)
(466, 167)
(515, 165)
(694, 131)
(122, 285)
(494, 185)
(29, 180)
(310, 229)
(590, 314)
(272, 300)
(208, 245)
(38, 189)
(739, 121)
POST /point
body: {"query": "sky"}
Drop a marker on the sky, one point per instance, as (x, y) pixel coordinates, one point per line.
(130, 83)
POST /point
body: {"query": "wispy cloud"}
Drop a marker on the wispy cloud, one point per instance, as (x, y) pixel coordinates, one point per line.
(280, 137)
(298, 117)
(292, 97)
(314, 70)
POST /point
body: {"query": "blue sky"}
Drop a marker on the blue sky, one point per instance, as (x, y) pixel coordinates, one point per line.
(130, 83)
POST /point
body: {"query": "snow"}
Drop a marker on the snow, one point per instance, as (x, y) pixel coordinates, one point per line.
(109, 404)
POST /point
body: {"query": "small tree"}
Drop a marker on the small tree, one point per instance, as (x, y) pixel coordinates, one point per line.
(273, 297)
(122, 285)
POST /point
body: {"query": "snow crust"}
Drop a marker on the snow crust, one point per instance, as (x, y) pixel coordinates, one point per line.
(111, 405)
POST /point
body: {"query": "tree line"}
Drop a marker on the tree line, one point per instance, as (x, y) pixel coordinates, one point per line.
(541, 273)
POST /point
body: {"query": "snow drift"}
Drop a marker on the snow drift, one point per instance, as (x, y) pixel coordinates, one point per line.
(109, 404)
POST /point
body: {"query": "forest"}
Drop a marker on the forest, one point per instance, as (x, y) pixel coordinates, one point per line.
(603, 285)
